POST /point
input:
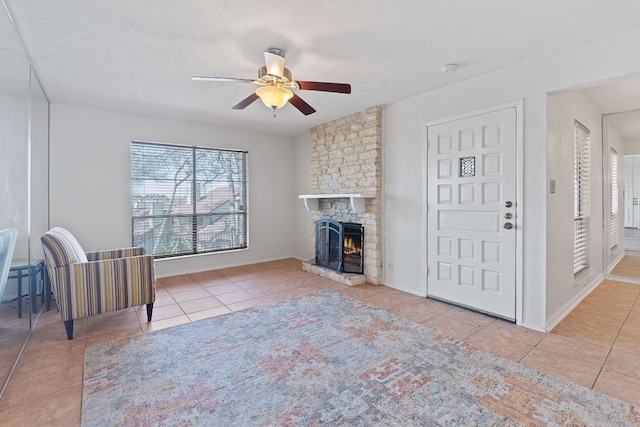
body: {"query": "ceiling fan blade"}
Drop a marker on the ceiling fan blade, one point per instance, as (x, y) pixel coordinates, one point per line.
(245, 102)
(301, 105)
(274, 59)
(325, 87)
(220, 79)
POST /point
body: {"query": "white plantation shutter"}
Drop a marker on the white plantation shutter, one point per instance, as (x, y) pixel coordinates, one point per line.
(613, 211)
(582, 166)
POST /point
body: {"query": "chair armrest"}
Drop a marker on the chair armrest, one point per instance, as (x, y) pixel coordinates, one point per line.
(115, 253)
(85, 289)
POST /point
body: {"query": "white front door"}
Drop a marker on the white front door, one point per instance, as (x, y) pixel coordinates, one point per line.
(471, 241)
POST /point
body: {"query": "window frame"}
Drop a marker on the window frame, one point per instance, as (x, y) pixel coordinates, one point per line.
(235, 211)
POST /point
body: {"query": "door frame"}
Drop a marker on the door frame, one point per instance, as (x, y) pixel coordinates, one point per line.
(520, 220)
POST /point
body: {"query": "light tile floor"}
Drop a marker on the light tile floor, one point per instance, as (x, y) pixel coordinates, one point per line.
(596, 346)
(628, 266)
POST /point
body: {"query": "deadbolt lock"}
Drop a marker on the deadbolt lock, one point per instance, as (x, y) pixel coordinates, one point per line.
(508, 204)
(508, 215)
(508, 225)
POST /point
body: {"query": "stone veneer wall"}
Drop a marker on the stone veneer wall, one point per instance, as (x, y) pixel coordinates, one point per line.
(346, 158)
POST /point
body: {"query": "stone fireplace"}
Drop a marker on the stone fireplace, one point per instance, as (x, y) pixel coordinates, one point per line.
(346, 187)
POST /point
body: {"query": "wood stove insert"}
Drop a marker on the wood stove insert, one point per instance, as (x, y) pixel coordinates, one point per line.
(339, 245)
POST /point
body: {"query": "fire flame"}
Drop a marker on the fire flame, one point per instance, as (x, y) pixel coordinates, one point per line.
(350, 247)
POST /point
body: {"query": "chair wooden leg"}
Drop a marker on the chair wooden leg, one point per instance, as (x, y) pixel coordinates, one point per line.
(68, 326)
(149, 312)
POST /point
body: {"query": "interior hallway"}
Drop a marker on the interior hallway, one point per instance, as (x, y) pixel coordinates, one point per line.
(596, 346)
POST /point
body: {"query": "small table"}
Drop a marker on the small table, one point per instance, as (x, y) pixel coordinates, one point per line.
(22, 268)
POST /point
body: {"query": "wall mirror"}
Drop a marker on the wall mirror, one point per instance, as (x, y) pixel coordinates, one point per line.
(24, 204)
(627, 125)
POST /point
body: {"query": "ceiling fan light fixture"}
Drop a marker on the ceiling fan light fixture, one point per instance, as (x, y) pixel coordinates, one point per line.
(274, 96)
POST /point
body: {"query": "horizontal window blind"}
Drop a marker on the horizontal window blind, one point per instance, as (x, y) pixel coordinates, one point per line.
(188, 200)
(582, 165)
(613, 217)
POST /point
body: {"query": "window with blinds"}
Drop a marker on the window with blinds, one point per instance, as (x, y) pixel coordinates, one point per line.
(188, 200)
(581, 172)
(613, 188)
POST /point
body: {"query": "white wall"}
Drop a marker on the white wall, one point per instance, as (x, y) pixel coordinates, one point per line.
(302, 219)
(563, 289)
(39, 138)
(632, 148)
(404, 160)
(90, 182)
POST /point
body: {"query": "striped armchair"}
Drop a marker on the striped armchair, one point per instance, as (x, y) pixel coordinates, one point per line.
(90, 283)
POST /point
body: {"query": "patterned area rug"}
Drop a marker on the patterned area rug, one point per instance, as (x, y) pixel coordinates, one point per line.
(324, 360)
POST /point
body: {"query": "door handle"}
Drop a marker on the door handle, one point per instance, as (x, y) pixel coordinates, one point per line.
(508, 225)
(508, 215)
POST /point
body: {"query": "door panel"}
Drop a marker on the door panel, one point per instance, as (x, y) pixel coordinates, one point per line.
(471, 200)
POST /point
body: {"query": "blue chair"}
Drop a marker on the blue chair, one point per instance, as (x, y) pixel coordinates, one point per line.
(7, 243)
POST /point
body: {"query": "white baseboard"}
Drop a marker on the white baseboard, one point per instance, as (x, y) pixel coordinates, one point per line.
(404, 289)
(214, 267)
(613, 263)
(622, 279)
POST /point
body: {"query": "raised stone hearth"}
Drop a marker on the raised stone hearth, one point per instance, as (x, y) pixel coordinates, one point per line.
(348, 279)
(346, 162)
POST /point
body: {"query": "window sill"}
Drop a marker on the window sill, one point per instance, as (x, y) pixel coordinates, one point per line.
(584, 277)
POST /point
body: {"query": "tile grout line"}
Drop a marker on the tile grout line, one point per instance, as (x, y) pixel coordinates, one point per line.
(614, 341)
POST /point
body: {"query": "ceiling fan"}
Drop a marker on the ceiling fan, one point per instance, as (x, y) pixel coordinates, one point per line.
(275, 85)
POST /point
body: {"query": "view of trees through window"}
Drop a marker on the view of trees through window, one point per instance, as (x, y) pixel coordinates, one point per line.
(188, 200)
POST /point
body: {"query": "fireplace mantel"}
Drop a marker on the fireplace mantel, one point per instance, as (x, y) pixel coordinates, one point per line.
(356, 200)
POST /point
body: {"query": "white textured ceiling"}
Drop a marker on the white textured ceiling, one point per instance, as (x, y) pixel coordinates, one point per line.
(138, 56)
